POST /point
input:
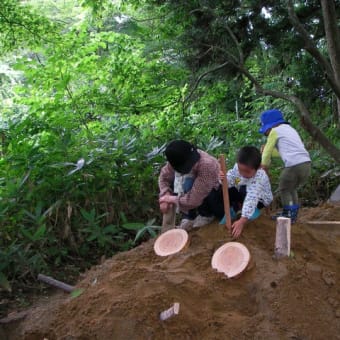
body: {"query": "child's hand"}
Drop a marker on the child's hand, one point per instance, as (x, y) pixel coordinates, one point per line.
(237, 227)
(262, 148)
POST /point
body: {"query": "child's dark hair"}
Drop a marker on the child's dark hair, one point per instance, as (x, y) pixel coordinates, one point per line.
(250, 156)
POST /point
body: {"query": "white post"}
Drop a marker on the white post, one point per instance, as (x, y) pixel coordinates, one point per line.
(282, 239)
(173, 310)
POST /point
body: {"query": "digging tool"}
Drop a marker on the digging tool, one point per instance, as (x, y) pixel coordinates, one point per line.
(225, 192)
(169, 219)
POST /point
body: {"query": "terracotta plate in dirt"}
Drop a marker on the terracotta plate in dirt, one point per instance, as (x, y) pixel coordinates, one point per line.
(231, 259)
(171, 242)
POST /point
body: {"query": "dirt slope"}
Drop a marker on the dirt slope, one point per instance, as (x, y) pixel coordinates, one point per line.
(295, 298)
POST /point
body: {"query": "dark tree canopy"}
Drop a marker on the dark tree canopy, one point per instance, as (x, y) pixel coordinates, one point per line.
(288, 41)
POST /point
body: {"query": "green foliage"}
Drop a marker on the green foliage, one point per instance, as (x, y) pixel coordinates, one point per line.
(77, 292)
(148, 229)
(91, 96)
(4, 282)
(20, 260)
(142, 229)
(21, 26)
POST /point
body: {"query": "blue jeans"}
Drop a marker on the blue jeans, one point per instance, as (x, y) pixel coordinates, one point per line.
(212, 204)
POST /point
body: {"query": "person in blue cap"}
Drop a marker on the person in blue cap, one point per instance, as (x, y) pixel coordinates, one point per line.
(284, 141)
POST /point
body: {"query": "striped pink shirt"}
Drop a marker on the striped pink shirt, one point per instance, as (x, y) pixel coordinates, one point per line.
(206, 174)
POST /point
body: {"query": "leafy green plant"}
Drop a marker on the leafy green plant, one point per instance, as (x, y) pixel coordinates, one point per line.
(35, 236)
(94, 230)
(19, 260)
(77, 292)
(4, 283)
(141, 229)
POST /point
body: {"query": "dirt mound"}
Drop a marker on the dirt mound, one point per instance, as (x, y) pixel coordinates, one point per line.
(295, 298)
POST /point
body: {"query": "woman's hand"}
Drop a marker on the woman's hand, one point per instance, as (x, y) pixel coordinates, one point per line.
(164, 207)
(166, 201)
(170, 199)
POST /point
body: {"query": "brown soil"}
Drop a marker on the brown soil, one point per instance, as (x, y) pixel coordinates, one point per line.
(294, 298)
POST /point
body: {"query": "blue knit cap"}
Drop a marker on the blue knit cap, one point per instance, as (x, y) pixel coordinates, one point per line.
(270, 118)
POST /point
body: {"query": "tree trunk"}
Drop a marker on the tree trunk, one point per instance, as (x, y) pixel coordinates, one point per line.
(314, 130)
(332, 36)
(336, 110)
(311, 47)
(307, 123)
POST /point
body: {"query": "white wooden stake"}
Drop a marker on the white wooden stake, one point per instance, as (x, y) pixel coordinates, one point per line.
(324, 222)
(282, 239)
(173, 310)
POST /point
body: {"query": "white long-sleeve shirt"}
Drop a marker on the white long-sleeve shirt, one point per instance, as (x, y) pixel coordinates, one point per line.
(258, 189)
(288, 143)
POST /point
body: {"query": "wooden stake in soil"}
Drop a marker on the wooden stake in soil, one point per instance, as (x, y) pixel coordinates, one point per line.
(169, 219)
(324, 222)
(55, 283)
(173, 310)
(282, 240)
(225, 193)
(13, 317)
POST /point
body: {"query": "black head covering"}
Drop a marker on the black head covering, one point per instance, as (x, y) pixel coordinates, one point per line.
(181, 155)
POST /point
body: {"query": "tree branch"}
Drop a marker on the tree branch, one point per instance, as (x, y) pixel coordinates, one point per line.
(226, 52)
(205, 53)
(237, 43)
(34, 33)
(150, 19)
(304, 114)
(332, 36)
(201, 77)
(312, 49)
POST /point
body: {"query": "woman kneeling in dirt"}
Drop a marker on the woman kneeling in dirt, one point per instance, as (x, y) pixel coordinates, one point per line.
(190, 181)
